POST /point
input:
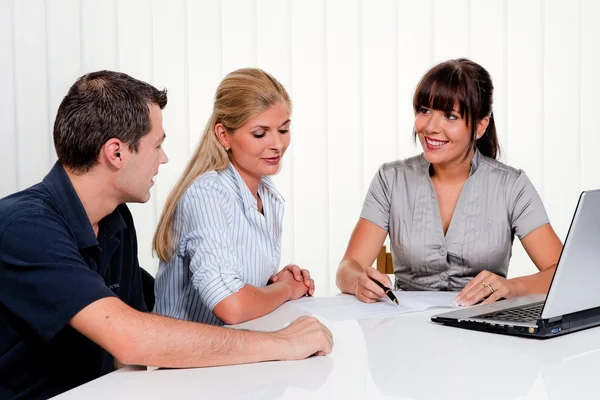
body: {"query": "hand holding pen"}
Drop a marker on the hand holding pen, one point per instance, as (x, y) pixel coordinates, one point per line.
(371, 285)
(387, 291)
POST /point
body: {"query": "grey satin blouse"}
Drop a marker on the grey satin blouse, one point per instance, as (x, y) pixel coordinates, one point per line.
(496, 203)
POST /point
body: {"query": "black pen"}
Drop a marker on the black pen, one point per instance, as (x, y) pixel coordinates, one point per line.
(387, 291)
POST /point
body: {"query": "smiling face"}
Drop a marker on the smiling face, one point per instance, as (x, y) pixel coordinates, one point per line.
(257, 147)
(453, 110)
(444, 136)
(136, 178)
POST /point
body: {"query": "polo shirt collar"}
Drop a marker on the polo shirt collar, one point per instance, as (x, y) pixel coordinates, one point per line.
(62, 191)
(244, 193)
(113, 223)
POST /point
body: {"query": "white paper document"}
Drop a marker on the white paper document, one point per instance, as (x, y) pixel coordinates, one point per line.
(344, 306)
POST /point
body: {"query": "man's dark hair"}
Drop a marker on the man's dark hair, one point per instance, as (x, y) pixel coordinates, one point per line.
(100, 106)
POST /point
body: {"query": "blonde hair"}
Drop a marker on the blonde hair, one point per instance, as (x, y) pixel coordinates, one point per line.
(242, 95)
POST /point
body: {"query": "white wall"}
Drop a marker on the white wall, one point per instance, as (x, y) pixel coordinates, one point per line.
(350, 66)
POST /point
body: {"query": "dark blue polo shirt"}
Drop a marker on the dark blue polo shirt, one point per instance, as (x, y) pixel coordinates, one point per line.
(51, 267)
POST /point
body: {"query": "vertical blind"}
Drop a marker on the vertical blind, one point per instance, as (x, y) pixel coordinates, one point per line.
(351, 67)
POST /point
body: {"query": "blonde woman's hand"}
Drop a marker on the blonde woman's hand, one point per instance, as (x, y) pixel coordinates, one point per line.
(298, 288)
(301, 275)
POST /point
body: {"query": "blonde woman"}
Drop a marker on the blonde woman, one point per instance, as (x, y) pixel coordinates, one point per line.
(219, 236)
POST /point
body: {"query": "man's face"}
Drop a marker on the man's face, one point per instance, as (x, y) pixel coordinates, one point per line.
(137, 176)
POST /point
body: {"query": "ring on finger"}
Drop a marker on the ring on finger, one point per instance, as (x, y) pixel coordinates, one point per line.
(490, 287)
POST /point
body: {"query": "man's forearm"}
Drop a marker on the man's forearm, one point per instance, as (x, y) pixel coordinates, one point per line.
(140, 338)
(166, 342)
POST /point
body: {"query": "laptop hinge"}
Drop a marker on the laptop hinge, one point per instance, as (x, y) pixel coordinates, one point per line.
(554, 319)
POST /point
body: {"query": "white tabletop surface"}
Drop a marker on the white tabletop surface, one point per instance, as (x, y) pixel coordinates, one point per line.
(402, 357)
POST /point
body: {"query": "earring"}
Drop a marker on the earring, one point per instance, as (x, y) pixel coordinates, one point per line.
(226, 148)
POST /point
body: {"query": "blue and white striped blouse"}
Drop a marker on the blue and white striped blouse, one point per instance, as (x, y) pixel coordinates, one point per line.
(222, 242)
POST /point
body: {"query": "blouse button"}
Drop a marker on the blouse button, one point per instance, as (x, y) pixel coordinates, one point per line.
(444, 276)
(442, 251)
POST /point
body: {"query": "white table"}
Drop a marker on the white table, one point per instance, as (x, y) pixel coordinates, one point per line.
(403, 357)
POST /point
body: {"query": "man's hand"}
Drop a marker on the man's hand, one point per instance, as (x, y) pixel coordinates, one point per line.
(305, 337)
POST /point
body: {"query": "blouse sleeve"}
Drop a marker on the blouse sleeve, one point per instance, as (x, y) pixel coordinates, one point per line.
(527, 212)
(215, 269)
(376, 207)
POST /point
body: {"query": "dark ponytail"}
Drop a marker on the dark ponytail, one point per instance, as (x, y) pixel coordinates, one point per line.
(488, 142)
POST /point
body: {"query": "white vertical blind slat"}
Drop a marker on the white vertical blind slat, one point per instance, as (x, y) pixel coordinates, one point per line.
(343, 125)
(135, 57)
(590, 87)
(451, 29)
(311, 239)
(379, 95)
(562, 112)
(31, 91)
(9, 162)
(171, 71)
(239, 34)
(99, 35)
(273, 54)
(487, 44)
(204, 60)
(415, 43)
(64, 55)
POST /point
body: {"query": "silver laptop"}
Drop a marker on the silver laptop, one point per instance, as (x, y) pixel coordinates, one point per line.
(573, 301)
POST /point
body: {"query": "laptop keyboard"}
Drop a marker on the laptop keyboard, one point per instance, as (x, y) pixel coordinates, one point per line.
(522, 314)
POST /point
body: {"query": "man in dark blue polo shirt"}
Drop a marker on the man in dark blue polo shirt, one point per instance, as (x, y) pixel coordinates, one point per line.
(70, 284)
